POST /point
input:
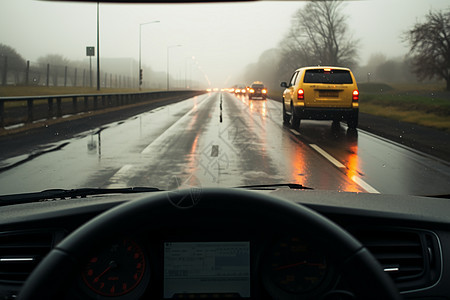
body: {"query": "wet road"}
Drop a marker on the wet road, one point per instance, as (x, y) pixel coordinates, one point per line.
(219, 140)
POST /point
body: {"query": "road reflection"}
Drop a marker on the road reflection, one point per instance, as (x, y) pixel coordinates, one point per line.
(255, 106)
(352, 166)
(339, 143)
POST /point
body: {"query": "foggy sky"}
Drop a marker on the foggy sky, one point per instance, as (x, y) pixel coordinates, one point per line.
(222, 37)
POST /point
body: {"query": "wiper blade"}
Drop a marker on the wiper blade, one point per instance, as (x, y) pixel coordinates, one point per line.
(73, 193)
(294, 186)
(443, 196)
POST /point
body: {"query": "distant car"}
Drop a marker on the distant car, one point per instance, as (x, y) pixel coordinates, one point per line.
(240, 90)
(257, 91)
(321, 93)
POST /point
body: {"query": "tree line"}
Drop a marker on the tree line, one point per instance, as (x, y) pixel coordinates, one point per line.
(319, 35)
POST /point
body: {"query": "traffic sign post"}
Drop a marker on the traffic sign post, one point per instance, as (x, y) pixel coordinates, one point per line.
(90, 51)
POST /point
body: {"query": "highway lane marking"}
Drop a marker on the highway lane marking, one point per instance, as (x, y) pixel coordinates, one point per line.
(365, 185)
(338, 164)
(294, 131)
(180, 120)
(327, 156)
(118, 178)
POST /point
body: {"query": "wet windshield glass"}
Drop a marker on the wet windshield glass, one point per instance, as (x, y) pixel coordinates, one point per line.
(118, 95)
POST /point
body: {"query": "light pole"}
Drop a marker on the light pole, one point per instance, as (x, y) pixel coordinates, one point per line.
(98, 48)
(168, 47)
(140, 68)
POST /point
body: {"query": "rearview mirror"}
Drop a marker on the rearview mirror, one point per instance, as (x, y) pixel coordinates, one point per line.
(284, 84)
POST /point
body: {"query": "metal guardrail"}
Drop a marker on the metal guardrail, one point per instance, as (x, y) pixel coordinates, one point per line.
(56, 107)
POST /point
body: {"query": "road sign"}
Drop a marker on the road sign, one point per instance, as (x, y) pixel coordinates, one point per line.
(90, 51)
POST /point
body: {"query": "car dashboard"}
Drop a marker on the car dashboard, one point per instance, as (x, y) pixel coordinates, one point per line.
(232, 255)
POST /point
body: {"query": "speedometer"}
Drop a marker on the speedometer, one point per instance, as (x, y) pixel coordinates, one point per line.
(295, 266)
(120, 270)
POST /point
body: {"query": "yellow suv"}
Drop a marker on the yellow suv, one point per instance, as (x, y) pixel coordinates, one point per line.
(321, 93)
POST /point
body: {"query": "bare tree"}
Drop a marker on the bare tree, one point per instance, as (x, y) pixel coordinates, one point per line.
(10, 62)
(319, 36)
(430, 47)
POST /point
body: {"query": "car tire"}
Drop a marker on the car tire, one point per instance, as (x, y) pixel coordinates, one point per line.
(294, 119)
(352, 121)
(285, 115)
(335, 125)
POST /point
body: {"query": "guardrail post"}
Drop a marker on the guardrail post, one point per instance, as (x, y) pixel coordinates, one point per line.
(86, 103)
(103, 100)
(30, 110)
(75, 103)
(2, 113)
(50, 108)
(95, 102)
(58, 107)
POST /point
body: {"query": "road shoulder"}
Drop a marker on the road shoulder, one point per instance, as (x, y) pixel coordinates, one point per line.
(428, 140)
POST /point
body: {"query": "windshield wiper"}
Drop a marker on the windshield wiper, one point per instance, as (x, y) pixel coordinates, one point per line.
(71, 194)
(294, 186)
(443, 196)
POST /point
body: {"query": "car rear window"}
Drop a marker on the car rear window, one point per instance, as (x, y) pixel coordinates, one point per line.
(258, 86)
(325, 76)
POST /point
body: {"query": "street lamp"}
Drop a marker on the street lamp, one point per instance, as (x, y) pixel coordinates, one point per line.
(98, 47)
(140, 68)
(168, 47)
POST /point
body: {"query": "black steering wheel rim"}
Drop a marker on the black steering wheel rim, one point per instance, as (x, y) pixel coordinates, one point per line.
(52, 276)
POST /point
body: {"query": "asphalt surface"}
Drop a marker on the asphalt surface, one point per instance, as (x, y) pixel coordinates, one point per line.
(218, 139)
(427, 140)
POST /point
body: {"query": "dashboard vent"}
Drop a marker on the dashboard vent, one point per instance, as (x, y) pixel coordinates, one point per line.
(411, 257)
(21, 251)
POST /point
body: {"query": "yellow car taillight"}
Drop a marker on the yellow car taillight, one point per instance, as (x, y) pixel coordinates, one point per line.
(301, 94)
(355, 95)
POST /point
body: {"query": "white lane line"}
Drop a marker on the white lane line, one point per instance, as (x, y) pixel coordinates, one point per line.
(365, 185)
(118, 180)
(335, 162)
(294, 131)
(327, 156)
(163, 135)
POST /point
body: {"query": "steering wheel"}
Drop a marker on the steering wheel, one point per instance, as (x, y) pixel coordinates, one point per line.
(52, 277)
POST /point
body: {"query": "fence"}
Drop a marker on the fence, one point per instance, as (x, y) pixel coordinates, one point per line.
(56, 75)
(17, 110)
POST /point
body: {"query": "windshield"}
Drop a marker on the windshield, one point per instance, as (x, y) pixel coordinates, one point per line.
(158, 95)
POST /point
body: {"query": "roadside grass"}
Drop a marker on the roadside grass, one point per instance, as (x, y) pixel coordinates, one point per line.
(423, 104)
(407, 102)
(410, 116)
